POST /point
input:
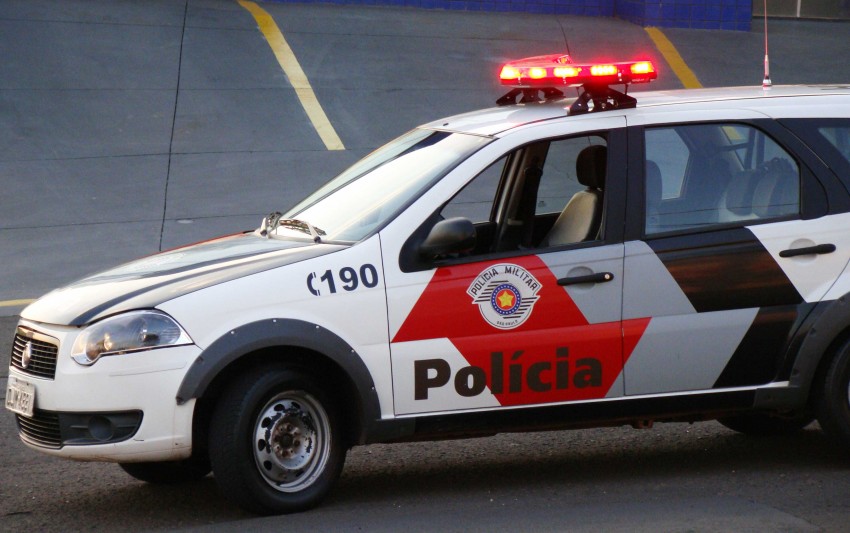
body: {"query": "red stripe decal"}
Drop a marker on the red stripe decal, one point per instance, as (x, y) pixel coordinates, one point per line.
(553, 355)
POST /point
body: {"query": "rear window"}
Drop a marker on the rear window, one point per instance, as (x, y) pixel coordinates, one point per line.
(702, 175)
(839, 137)
(829, 138)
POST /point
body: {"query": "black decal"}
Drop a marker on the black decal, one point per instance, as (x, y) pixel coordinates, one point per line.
(369, 275)
(462, 381)
(724, 270)
(759, 357)
(328, 278)
(422, 382)
(349, 278)
(497, 373)
(535, 383)
(314, 291)
(562, 368)
(588, 373)
(515, 374)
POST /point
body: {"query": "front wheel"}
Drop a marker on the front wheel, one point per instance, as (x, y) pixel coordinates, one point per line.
(834, 401)
(275, 441)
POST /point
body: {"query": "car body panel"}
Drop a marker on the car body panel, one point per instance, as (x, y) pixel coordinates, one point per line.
(146, 282)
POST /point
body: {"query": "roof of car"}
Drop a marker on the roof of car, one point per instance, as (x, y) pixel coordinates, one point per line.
(496, 120)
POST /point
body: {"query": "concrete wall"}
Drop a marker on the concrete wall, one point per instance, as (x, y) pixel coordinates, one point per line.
(700, 14)
(697, 14)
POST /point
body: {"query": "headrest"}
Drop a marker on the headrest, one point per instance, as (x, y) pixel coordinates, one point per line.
(591, 166)
(739, 194)
(776, 194)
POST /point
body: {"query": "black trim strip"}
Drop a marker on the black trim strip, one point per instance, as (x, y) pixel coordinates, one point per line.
(162, 289)
(727, 269)
(760, 355)
(701, 406)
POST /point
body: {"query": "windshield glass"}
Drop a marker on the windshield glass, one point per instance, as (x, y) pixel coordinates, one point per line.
(369, 193)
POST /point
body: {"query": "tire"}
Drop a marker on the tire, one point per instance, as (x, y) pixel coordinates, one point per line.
(765, 425)
(833, 403)
(168, 472)
(275, 441)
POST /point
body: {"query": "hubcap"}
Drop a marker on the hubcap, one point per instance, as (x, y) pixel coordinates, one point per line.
(292, 441)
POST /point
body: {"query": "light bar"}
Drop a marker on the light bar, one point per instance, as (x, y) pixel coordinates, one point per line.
(554, 70)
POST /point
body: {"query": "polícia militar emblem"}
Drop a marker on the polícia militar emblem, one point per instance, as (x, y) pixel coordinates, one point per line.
(505, 294)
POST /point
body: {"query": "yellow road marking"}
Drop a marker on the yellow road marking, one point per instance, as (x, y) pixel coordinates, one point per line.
(14, 303)
(289, 64)
(671, 55)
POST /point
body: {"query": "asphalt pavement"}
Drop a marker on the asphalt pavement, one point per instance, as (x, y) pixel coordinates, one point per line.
(130, 127)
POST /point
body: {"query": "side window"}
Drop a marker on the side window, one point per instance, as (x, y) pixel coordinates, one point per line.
(475, 201)
(665, 148)
(546, 194)
(559, 181)
(703, 175)
(839, 137)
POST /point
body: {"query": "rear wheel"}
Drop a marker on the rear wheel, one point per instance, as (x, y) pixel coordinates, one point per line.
(762, 425)
(168, 472)
(834, 401)
(275, 441)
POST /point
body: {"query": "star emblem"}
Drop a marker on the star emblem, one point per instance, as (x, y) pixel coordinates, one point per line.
(506, 300)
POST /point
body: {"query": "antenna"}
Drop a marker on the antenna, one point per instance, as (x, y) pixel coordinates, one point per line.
(766, 83)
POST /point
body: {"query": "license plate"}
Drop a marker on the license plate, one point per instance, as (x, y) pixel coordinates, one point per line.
(20, 397)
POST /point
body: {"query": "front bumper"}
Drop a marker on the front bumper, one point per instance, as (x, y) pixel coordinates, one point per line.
(121, 409)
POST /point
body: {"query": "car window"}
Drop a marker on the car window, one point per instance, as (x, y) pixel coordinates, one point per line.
(520, 201)
(839, 137)
(372, 191)
(559, 181)
(475, 200)
(667, 150)
(719, 174)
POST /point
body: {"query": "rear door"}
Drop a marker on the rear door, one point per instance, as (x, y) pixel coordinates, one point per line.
(735, 250)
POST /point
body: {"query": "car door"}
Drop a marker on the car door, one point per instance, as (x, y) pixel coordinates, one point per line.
(724, 206)
(514, 322)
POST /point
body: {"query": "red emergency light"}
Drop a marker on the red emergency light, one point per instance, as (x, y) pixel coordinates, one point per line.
(559, 70)
(538, 78)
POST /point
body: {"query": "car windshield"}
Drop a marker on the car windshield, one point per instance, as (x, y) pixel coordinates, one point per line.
(369, 193)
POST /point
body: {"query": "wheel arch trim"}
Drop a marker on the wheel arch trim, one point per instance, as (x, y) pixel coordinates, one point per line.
(828, 326)
(271, 333)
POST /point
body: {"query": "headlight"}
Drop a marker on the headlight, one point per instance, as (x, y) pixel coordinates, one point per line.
(131, 332)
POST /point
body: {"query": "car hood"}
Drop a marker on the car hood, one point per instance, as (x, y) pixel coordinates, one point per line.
(152, 280)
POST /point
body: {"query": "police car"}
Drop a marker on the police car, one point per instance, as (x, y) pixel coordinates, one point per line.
(555, 262)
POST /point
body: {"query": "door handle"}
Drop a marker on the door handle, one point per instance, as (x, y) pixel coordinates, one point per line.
(599, 277)
(808, 250)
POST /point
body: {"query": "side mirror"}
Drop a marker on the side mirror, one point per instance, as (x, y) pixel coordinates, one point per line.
(449, 236)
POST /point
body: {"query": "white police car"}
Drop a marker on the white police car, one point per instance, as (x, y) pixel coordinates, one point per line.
(551, 263)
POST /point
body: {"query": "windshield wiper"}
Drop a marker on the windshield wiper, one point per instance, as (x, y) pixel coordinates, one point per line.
(274, 220)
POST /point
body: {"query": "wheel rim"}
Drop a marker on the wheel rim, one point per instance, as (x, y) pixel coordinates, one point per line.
(291, 441)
